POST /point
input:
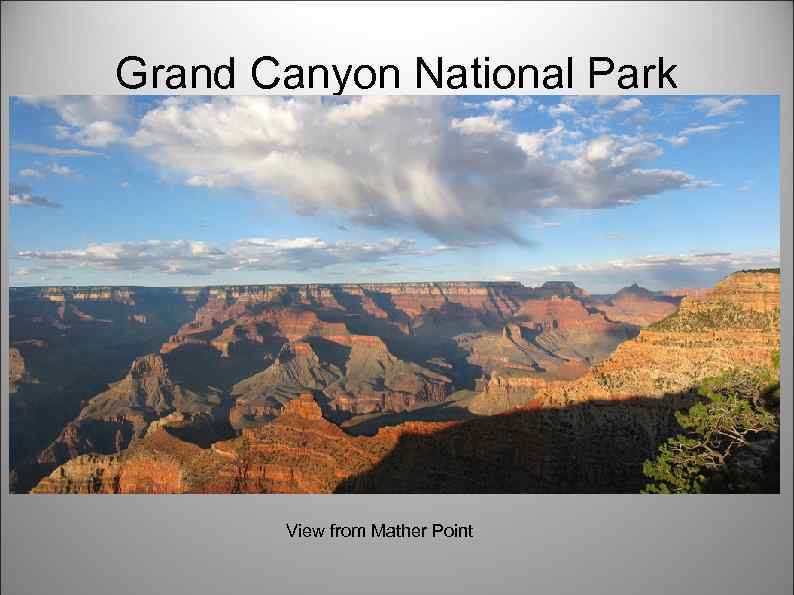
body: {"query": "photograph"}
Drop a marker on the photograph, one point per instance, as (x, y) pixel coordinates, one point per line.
(394, 294)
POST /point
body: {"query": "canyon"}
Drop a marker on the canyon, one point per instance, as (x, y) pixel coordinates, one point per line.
(409, 387)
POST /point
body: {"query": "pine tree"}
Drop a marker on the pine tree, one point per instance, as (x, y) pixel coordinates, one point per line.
(731, 440)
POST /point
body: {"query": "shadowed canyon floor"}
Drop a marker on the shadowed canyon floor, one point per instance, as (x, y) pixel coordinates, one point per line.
(425, 387)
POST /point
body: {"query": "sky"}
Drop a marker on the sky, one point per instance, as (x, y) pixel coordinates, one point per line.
(664, 191)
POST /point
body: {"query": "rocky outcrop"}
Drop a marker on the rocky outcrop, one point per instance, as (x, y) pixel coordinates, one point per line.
(376, 380)
(364, 377)
(17, 370)
(758, 291)
(98, 474)
(735, 325)
(639, 306)
(86, 474)
(111, 420)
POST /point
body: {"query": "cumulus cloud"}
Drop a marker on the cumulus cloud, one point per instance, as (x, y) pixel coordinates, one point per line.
(96, 134)
(22, 196)
(398, 161)
(29, 172)
(654, 271)
(90, 120)
(499, 105)
(715, 106)
(251, 254)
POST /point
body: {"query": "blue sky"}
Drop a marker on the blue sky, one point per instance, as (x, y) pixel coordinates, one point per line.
(667, 191)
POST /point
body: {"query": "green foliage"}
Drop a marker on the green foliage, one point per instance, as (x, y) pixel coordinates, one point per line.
(732, 434)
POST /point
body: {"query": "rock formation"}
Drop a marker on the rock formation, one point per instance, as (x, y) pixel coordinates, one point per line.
(248, 396)
(637, 305)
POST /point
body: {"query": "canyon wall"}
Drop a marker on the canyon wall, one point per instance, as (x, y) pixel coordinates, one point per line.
(570, 400)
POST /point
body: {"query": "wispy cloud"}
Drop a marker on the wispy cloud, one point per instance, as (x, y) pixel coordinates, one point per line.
(715, 106)
(53, 151)
(682, 138)
(703, 129)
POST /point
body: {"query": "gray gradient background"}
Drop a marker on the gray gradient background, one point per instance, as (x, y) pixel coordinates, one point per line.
(523, 544)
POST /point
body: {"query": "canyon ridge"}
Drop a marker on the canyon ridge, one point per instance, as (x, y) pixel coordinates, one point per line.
(403, 387)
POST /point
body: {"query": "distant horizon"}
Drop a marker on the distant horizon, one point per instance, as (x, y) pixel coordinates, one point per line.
(160, 191)
(358, 283)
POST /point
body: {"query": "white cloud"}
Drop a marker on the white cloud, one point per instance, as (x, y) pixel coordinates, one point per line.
(96, 134)
(500, 105)
(252, 254)
(714, 106)
(91, 120)
(396, 161)
(600, 149)
(703, 129)
(683, 137)
(655, 271)
(354, 111)
(626, 105)
(60, 170)
(478, 124)
(561, 109)
(678, 141)
(30, 173)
